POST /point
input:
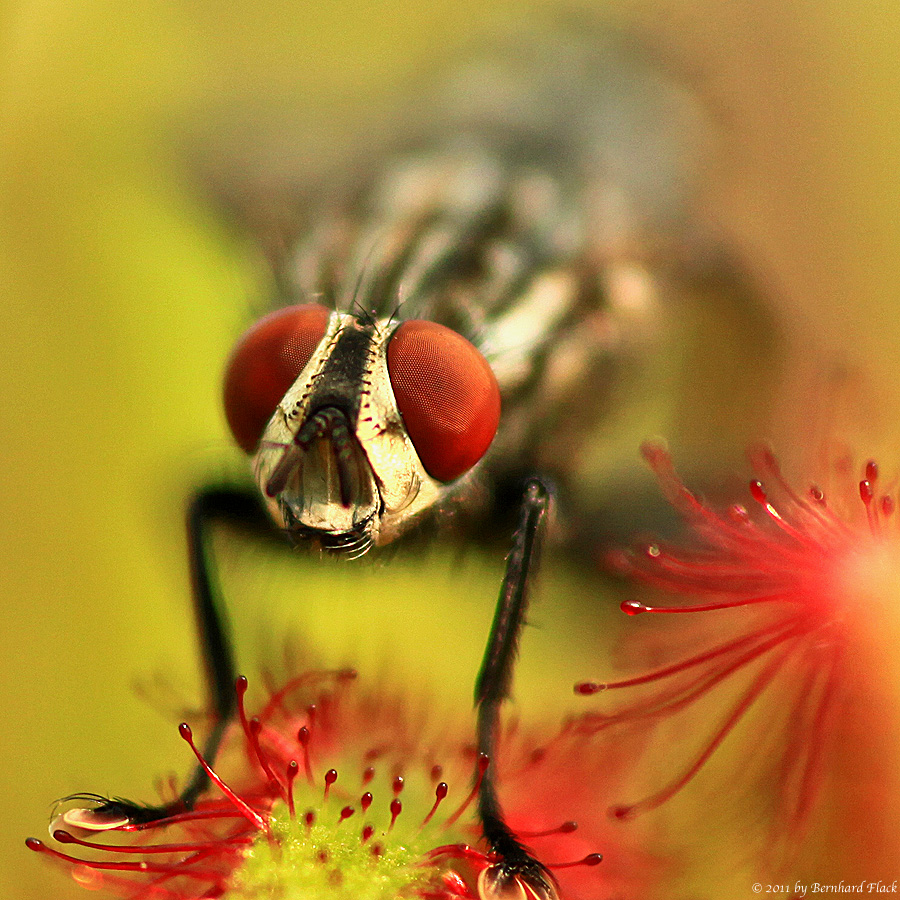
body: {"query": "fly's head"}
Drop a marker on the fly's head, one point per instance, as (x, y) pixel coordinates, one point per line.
(357, 425)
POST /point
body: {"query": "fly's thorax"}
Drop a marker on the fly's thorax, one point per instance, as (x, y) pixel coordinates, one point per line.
(335, 460)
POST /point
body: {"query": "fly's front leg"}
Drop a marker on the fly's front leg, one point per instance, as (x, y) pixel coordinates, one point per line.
(209, 505)
(516, 872)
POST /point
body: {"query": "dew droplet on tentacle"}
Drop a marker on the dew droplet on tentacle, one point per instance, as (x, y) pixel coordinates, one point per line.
(303, 738)
(566, 828)
(592, 859)
(330, 778)
(291, 773)
(250, 814)
(440, 792)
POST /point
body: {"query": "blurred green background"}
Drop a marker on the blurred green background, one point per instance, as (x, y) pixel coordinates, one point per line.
(122, 292)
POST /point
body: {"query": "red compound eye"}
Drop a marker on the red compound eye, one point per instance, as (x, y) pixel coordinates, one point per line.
(265, 363)
(447, 394)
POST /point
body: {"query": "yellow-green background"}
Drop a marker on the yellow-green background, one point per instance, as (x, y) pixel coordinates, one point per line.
(121, 292)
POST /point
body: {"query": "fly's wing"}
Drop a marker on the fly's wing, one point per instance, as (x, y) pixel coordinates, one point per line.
(543, 200)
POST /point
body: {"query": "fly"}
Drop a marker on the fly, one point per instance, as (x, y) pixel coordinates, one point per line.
(452, 317)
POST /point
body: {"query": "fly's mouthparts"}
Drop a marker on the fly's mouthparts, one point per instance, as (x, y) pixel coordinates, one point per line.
(346, 544)
(290, 461)
(328, 429)
(330, 424)
(323, 483)
(351, 544)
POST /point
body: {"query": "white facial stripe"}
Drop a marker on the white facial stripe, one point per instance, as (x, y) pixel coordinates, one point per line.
(394, 486)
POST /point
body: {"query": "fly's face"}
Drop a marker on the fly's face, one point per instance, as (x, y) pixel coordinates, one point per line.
(357, 425)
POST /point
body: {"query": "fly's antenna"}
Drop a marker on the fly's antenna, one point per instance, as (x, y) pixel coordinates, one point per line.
(366, 316)
(395, 312)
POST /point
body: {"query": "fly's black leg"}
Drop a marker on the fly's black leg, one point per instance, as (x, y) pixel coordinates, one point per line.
(515, 866)
(209, 505)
